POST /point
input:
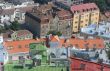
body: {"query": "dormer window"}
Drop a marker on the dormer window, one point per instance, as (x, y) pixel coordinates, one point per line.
(10, 47)
(19, 46)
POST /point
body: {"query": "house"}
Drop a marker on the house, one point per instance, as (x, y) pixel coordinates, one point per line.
(83, 65)
(21, 35)
(83, 15)
(56, 42)
(16, 49)
(3, 55)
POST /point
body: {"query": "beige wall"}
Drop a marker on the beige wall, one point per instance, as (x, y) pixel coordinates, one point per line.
(83, 19)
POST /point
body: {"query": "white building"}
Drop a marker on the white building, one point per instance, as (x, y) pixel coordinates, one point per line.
(1, 39)
(11, 12)
(3, 55)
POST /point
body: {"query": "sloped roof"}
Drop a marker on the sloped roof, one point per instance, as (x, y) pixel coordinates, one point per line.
(79, 43)
(63, 13)
(21, 46)
(54, 38)
(81, 7)
(23, 32)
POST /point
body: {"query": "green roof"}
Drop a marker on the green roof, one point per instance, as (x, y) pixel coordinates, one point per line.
(37, 46)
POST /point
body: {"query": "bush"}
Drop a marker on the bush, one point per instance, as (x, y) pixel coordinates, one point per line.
(54, 33)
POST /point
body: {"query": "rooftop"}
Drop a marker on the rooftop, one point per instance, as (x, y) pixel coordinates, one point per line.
(103, 30)
(21, 46)
(84, 7)
(79, 43)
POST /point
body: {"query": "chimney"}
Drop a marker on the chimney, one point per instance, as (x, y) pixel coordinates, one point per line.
(47, 41)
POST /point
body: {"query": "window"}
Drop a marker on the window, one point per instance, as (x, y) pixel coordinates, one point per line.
(19, 46)
(86, 20)
(10, 47)
(76, 17)
(82, 16)
(100, 45)
(46, 20)
(81, 22)
(82, 66)
(75, 27)
(85, 24)
(26, 46)
(76, 22)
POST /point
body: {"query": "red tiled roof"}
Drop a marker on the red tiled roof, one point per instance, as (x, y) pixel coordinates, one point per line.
(23, 32)
(82, 7)
(76, 64)
(107, 14)
(19, 46)
(63, 13)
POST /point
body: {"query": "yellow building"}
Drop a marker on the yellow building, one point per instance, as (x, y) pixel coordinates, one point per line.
(84, 15)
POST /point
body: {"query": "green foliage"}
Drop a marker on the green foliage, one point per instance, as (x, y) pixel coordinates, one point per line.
(108, 54)
(101, 4)
(2, 29)
(108, 45)
(54, 33)
(15, 26)
(37, 48)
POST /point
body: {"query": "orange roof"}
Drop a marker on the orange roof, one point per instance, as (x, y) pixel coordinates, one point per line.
(98, 43)
(54, 38)
(19, 46)
(81, 43)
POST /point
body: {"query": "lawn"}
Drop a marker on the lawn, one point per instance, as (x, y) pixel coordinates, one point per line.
(10, 67)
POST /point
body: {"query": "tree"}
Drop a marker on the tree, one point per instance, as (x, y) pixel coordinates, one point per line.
(102, 4)
(54, 33)
(15, 26)
(108, 54)
(37, 52)
(2, 29)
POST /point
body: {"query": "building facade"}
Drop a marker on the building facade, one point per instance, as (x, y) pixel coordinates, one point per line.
(39, 20)
(84, 14)
(42, 20)
(19, 48)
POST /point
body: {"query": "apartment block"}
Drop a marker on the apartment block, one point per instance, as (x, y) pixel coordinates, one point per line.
(84, 15)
